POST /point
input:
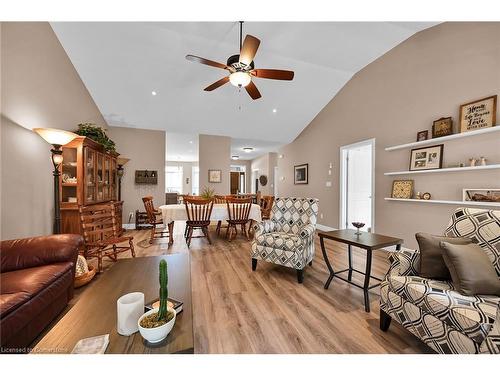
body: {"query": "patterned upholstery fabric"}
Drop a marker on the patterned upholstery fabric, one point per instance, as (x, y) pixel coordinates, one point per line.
(287, 238)
(432, 310)
(482, 227)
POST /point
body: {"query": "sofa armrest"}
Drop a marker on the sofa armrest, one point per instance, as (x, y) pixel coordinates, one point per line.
(404, 262)
(39, 251)
(491, 344)
(307, 231)
(266, 226)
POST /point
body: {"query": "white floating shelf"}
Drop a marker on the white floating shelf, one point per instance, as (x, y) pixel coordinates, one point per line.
(457, 203)
(445, 138)
(444, 170)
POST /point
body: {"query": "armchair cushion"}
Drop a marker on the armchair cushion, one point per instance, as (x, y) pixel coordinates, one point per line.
(472, 315)
(280, 240)
(431, 263)
(471, 270)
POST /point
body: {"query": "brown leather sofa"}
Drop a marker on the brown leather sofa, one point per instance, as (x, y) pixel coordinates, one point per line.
(36, 284)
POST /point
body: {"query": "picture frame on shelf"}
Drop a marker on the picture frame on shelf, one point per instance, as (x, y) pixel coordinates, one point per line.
(442, 127)
(478, 114)
(214, 176)
(402, 189)
(301, 174)
(481, 195)
(425, 158)
(422, 135)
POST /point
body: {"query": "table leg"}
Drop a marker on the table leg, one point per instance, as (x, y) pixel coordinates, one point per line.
(325, 257)
(367, 279)
(171, 233)
(349, 254)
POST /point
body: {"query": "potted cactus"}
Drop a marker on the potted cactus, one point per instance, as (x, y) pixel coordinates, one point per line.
(156, 324)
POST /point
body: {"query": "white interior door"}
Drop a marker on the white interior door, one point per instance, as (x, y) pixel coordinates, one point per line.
(357, 184)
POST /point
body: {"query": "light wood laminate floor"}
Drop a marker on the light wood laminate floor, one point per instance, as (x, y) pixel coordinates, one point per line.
(236, 310)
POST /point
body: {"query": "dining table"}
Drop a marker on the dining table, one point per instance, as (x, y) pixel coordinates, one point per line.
(177, 212)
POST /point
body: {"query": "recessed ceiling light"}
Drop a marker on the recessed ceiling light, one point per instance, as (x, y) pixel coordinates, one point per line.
(153, 93)
(235, 157)
(191, 142)
(275, 110)
(248, 149)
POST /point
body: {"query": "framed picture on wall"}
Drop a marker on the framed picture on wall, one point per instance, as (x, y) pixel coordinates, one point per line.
(426, 158)
(402, 189)
(301, 174)
(478, 114)
(214, 175)
(442, 127)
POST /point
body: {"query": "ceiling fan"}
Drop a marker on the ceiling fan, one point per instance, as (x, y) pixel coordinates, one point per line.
(241, 68)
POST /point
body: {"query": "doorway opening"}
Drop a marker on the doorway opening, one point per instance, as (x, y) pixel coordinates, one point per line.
(237, 179)
(357, 185)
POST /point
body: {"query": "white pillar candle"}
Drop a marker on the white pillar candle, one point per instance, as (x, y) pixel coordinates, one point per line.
(129, 308)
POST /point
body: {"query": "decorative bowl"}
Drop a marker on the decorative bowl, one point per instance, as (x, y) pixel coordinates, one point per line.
(157, 334)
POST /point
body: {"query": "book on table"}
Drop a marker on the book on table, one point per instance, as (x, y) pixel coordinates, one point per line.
(173, 303)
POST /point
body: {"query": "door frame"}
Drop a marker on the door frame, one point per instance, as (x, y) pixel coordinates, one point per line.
(343, 181)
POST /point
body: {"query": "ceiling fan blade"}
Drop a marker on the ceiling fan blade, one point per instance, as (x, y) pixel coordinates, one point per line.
(253, 91)
(217, 84)
(285, 75)
(201, 60)
(249, 49)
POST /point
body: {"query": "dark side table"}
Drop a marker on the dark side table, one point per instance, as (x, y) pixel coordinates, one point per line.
(366, 241)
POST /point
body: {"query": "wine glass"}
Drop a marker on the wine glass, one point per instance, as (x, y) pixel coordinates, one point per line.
(358, 225)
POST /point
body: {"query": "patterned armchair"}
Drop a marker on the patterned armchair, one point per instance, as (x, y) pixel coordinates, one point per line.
(432, 310)
(287, 238)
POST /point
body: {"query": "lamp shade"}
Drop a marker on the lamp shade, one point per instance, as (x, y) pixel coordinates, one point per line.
(122, 161)
(55, 136)
(240, 79)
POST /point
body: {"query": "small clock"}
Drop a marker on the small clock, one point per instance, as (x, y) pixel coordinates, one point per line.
(426, 196)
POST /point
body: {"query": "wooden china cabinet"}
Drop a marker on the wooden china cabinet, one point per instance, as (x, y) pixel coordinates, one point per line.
(88, 176)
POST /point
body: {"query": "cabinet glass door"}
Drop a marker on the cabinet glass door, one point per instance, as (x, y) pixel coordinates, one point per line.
(90, 182)
(100, 176)
(113, 182)
(107, 177)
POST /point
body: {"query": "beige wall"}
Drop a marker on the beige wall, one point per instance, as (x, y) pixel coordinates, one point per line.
(146, 150)
(426, 77)
(265, 166)
(214, 153)
(39, 88)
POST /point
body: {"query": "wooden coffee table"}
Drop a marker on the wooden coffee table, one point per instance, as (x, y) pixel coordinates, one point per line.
(366, 241)
(95, 312)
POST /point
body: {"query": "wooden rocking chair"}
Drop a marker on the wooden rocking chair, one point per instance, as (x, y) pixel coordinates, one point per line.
(100, 233)
(154, 219)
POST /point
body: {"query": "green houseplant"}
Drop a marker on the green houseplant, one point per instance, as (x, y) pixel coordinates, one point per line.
(207, 193)
(157, 323)
(97, 134)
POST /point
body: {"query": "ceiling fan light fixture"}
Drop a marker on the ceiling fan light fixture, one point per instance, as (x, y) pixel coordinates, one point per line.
(240, 79)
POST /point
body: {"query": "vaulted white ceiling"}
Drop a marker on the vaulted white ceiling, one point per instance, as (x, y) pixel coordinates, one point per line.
(121, 63)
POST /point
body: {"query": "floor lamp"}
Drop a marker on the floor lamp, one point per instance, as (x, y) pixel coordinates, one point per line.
(57, 138)
(119, 171)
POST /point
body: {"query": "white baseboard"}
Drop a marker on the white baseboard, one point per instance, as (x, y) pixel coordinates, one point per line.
(325, 228)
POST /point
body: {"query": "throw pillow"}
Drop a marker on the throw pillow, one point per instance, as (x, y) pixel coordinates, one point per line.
(431, 264)
(471, 270)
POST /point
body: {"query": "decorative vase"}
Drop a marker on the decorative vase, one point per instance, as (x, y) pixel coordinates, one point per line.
(157, 334)
(129, 307)
(483, 160)
(358, 225)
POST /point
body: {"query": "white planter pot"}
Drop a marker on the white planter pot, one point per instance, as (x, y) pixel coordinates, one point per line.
(155, 335)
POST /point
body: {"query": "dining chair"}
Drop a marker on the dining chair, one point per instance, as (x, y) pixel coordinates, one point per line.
(154, 219)
(100, 230)
(266, 204)
(238, 211)
(198, 213)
